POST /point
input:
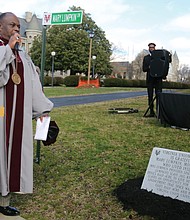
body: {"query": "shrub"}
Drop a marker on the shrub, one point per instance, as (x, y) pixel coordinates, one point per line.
(129, 82)
(47, 80)
(84, 78)
(58, 81)
(72, 80)
(143, 83)
(116, 82)
(113, 82)
(136, 83)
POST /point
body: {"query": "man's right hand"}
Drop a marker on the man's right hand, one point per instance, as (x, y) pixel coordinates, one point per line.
(14, 39)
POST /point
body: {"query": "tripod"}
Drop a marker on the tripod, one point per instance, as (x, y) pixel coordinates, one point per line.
(150, 106)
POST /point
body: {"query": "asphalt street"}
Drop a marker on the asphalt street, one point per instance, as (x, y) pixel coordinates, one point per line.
(85, 99)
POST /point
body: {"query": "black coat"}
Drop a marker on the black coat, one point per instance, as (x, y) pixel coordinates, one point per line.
(146, 66)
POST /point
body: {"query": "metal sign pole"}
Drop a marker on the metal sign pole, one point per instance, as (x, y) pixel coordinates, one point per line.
(73, 17)
(38, 147)
(43, 54)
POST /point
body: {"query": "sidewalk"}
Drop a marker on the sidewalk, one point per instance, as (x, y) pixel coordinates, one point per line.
(3, 217)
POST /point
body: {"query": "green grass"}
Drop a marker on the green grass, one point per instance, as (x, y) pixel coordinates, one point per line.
(65, 91)
(95, 152)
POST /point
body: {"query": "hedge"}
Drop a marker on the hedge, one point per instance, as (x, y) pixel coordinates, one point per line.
(57, 81)
(116, 82)
(73, 80)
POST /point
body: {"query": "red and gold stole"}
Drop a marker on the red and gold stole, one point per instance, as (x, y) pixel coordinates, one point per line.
(18, 120)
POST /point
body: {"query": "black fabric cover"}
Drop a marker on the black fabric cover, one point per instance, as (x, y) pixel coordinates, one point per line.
(174, 109)
(52, 133)
(159, 64)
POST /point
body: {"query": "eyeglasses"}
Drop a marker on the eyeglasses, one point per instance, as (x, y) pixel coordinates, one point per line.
(151, 47)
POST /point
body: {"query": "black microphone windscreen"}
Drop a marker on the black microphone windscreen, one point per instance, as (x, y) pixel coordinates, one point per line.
(16, 46)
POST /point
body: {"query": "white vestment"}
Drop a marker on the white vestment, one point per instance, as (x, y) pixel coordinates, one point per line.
(34, 104)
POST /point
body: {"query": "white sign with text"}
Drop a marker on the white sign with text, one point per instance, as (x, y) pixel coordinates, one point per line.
(168, 174)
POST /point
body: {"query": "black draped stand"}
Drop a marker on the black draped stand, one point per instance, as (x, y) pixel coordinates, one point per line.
(174, 109)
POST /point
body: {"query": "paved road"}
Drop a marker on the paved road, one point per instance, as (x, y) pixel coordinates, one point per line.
(3, 217)
(85, 99)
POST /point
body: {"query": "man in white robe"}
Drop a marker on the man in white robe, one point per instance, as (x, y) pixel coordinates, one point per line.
(21, 100)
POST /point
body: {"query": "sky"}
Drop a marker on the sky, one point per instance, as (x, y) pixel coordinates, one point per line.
(128, 24)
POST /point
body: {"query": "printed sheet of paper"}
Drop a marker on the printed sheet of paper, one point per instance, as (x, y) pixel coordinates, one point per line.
(42, 129)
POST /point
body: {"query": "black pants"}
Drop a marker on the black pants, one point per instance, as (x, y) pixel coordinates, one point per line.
(153, 83)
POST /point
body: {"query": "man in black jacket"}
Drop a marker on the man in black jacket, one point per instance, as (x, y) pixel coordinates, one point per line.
(151, 82)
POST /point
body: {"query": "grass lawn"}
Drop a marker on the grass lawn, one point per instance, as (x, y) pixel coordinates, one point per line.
(95, 152)
(65, 91)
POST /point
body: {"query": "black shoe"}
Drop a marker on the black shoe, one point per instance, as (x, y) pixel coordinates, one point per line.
(9, 211)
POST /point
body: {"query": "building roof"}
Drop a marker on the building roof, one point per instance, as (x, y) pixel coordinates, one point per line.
(23, 27)
(175, 56)
(35, 24)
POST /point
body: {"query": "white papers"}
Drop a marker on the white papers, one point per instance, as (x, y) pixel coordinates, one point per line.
(42, 128)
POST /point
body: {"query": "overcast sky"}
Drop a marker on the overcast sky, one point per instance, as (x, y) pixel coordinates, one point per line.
(128, 24)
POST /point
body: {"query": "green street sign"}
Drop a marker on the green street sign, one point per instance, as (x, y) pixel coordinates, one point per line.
(69, 17)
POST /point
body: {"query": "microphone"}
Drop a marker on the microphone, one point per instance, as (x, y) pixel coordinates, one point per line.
(16, 47)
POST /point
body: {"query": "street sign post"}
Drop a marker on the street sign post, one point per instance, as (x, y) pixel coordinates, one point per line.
(69, 17)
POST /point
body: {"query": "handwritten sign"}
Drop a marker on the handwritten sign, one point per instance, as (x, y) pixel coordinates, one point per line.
(168, 174)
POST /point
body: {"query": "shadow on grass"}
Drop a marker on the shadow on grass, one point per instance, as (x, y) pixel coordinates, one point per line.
(150, 204)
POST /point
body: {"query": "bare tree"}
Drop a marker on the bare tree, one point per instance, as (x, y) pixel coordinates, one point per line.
(137, 65)
(118, 53)
(184, 73)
